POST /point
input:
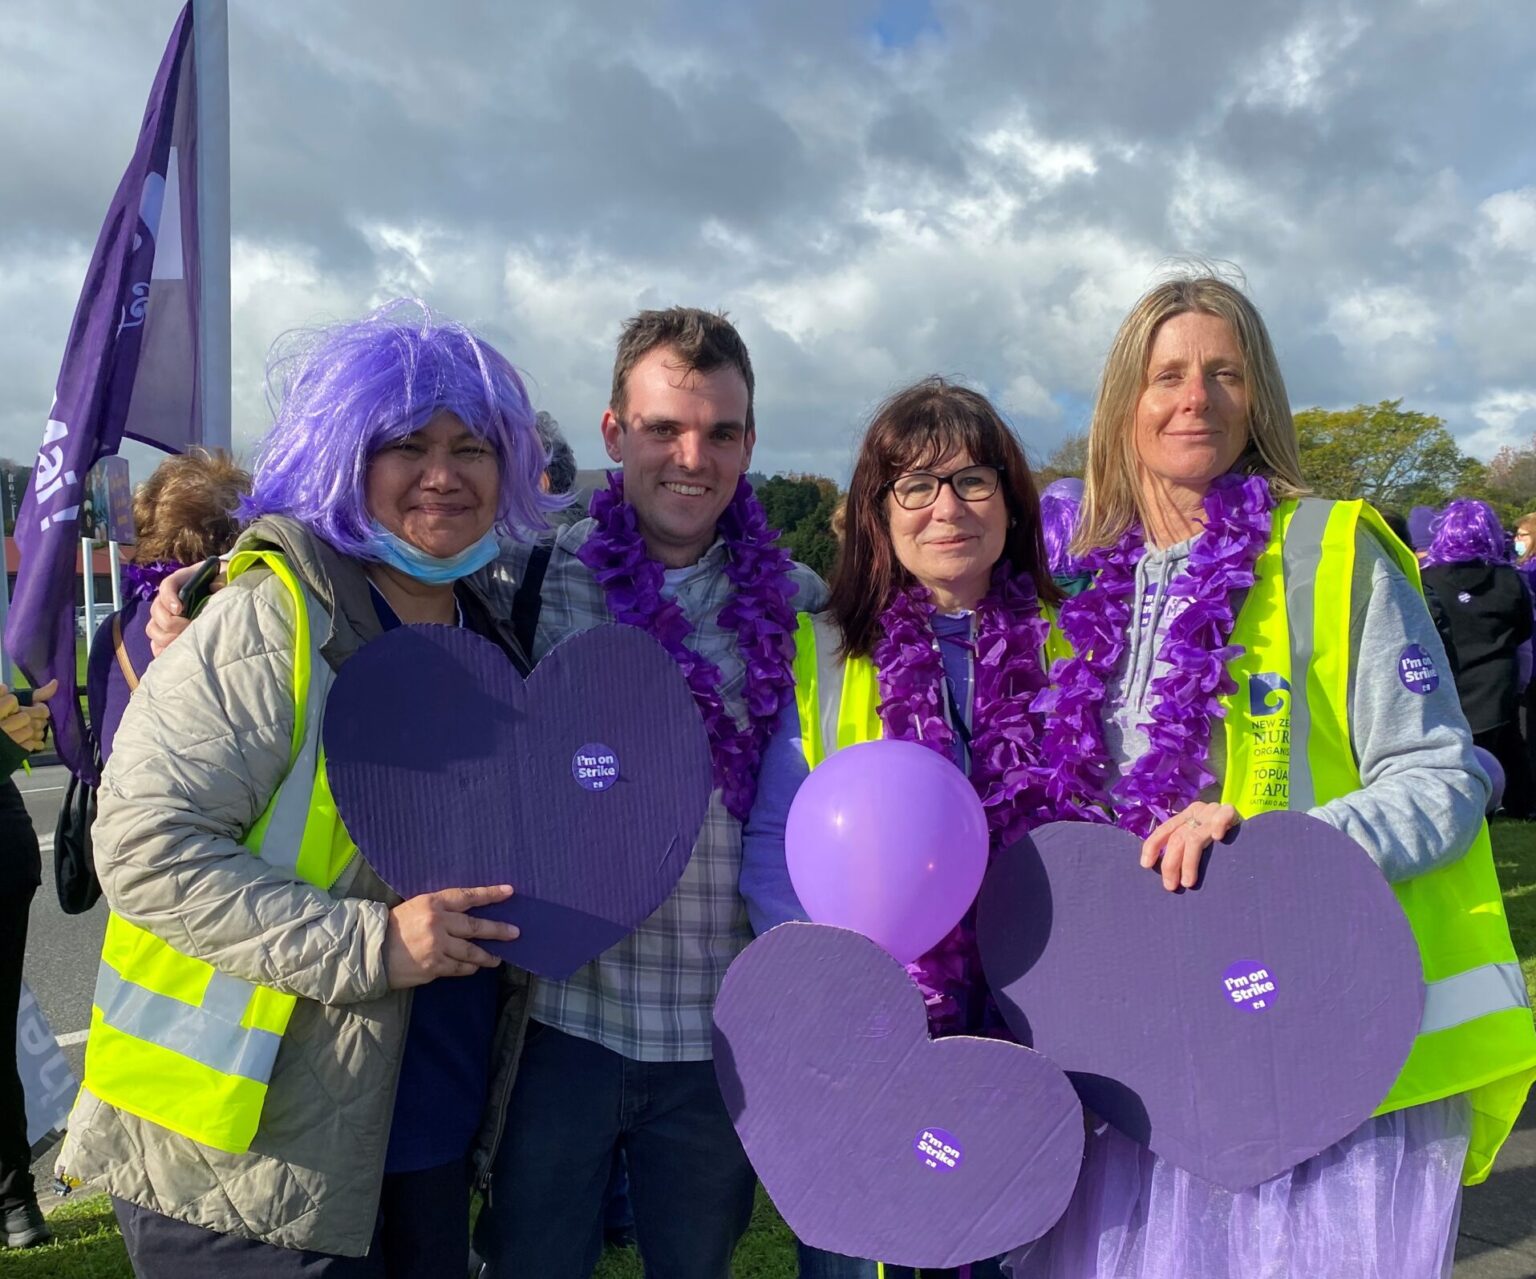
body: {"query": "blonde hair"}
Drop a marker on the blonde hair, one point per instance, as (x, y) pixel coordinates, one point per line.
(1112, 498)
(185, 511)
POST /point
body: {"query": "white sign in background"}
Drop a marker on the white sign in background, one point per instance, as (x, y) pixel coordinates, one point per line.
(46, 1079)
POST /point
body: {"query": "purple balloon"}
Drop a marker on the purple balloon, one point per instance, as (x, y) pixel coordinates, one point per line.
(584, 788)
(1495, 771)
(889, 839)
(872, 1139)
(1237, 1029)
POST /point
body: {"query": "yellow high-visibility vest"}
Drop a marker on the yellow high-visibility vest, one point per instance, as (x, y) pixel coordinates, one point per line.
(1287, 737)
(173, 1040)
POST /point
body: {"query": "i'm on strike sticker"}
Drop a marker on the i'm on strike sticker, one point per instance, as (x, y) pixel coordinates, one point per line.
(595, 767)
(1249, 984)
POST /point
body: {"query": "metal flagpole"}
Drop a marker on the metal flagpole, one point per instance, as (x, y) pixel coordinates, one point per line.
(115, 558)
(89, 587)
(210, 52)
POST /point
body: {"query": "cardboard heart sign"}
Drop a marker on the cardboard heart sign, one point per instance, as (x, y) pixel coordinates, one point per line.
(873, 1140)
(1236, 1029)
(584, 788)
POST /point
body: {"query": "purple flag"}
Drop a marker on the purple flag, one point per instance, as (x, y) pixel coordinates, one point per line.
(128, 360)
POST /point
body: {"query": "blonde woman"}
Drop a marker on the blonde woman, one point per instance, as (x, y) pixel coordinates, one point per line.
(1305, 618)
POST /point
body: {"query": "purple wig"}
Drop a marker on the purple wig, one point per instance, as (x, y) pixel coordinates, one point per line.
(345, 391)
(1467, 531)
(1059, 505)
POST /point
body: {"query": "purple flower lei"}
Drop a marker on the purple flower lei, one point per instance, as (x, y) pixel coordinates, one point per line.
(759, 611)
(1174, 770)
(1006, 767)
(143, 580)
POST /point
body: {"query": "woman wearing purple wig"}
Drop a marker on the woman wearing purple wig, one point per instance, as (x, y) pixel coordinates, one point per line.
(287, 1065)
(1486, 609)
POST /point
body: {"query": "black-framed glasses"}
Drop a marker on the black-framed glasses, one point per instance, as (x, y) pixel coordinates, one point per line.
(919, 489)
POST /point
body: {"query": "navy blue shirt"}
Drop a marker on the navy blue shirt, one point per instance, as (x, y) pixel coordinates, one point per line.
(446, 1070)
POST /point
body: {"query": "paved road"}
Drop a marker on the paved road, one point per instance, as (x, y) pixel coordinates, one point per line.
(1498, 1220)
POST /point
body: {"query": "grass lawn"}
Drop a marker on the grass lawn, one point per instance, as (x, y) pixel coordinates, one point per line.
(88, 1246)
(1514, 852)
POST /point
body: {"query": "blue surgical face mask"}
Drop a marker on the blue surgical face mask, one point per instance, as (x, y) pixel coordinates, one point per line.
(415, 562)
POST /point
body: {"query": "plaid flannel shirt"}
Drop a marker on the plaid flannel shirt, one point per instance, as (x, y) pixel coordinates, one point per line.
(650, 997)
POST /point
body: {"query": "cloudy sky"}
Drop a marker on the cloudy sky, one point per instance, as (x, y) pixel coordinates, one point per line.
(874, 189)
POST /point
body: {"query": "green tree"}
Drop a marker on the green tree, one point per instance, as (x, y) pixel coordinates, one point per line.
(1391, 456)
(1509, 482)
(800, 507)
(1070, 457)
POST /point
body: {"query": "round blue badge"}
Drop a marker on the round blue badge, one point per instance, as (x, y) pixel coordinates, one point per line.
(1416, 668)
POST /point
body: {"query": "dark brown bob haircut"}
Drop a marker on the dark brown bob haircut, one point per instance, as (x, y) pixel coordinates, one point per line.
(703, 341)
(918, 428)
(185, 511)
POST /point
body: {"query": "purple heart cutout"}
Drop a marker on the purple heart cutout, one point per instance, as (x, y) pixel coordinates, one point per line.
(584, 788)
(872, 1139)
(1237, 1029)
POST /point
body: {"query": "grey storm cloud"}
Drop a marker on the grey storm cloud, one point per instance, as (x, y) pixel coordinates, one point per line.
(875, 189)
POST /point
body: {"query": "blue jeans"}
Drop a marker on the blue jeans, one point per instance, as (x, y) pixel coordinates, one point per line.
(574, 1105)
(816, 1264)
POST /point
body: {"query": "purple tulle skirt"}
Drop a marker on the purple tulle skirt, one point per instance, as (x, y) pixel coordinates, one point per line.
(1381, 1204)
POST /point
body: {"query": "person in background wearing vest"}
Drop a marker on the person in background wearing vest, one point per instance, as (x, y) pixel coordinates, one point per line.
(253, 1098)
(1486, 608)
(1193, 479)
(183, 513)
(944, 558)
(618, 1057)
(21, 733)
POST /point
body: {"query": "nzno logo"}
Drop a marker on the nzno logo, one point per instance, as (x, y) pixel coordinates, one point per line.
(1267, 694)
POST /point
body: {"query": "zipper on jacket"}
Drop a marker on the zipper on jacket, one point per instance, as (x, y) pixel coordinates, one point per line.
(505, 1100)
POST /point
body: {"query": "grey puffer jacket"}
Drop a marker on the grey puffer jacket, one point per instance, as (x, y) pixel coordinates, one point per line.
(202, 747)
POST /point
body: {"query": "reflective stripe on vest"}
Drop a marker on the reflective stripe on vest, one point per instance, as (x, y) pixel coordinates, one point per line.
(174, 1040)
(209, 1032)
(1287, 734)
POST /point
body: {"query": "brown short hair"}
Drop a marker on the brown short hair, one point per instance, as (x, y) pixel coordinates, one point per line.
(1112, 489)
(185, 511)
(918, 427)
(703, 340)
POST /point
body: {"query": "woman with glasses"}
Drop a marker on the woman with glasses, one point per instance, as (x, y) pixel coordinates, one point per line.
(942, 588)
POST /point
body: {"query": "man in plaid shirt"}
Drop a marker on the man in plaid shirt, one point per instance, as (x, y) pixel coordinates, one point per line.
(618, 1057)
